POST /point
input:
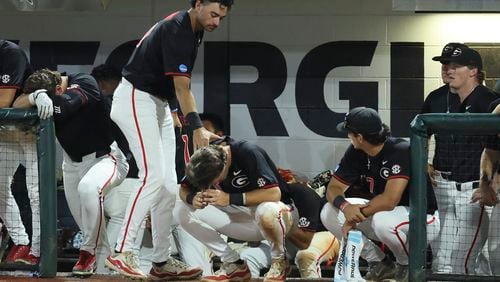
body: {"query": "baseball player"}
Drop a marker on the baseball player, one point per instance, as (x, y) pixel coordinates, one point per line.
(160, 69)
(309, 244)
(18, 146)
(92, 162)
(233, 188)
(380, 165)
(489, 187)
(456, 162)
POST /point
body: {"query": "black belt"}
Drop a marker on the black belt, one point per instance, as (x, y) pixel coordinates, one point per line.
(475, 185)
(98, 154)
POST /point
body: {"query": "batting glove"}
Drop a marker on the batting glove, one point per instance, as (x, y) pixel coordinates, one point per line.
(43, 103)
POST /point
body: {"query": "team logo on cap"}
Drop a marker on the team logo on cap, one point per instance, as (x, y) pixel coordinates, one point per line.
(183, 68)
(5, 78)
(457, 52)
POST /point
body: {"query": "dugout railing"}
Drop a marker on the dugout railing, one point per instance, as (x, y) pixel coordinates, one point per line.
(45, 139)
(421, 127)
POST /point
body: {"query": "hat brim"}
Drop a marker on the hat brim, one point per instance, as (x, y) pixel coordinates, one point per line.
(341, 128)
(439, 58)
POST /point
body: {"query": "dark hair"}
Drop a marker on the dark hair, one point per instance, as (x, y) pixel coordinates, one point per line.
(227, 3)
(43, 79)
(377, 138)
(106, 72)
(205, 166)
(215, 119)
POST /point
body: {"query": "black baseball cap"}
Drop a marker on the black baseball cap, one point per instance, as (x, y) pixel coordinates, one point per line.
(460, 54)
(361, 120)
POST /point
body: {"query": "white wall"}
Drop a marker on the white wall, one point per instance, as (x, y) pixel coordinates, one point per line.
(295, 27)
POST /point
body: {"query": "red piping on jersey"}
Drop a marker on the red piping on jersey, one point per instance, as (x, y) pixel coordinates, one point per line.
(145, 169)
(185, 139)
(341, 180)
(269, 186)
(9, 87)
(473, 241)
(85, 99)
(101, 201)
(169, 17)
(396, 231)
(177, 74)
(398, 176)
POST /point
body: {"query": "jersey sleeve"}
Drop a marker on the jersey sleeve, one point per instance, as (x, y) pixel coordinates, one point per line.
(399, 162)
(13, 68)
(349, 169)
(260, 173)
(177, 52)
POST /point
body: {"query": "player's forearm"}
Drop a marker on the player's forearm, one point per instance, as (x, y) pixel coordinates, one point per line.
(379, 203)
(23, 102)
(488, 158)
(183, 192)
(335, 188)
(184, 95)
(258, 196)
(6, 97)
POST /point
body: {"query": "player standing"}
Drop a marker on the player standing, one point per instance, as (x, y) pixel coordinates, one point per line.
(19, 147)
(464, 225)
(380, 164)
(160, 69)
(92, 162)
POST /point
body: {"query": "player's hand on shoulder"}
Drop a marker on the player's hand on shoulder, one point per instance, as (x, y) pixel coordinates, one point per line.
(43, 103)
(216, 197)
(202, 137)
(353, 214)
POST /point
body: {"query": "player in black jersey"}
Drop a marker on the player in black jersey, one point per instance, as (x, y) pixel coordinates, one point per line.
(92, 162)
(18, 146)
(456, 162)
(160, 70)
(233, 187)
(490, 187)
(380, 165)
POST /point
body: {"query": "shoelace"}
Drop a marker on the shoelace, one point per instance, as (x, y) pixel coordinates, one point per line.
(277, 268)
(177, 263)
(131, 260)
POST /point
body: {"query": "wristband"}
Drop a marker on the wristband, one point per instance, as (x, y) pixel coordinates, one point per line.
(237, 199)
(190, 197)
(194, 120)
(340, 203)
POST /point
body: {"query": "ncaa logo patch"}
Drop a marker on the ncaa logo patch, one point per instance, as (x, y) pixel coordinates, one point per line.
(5, 78)
(183, 68)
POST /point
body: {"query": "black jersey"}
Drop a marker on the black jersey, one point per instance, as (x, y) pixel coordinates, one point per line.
(493, 142)
(372, 173)
(14, 67)
(440, 100)
(168, 49)
(460, 155)
(81, 117)
(308, 204)
(251, 168)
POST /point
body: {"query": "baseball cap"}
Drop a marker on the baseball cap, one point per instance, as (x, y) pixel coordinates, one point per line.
(460, 54)
(361, 120)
